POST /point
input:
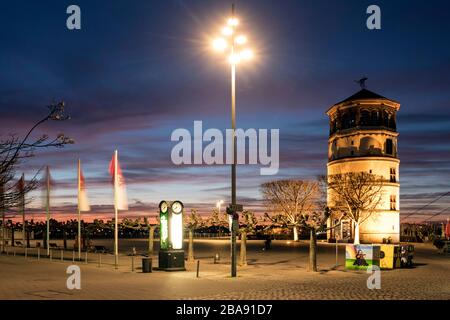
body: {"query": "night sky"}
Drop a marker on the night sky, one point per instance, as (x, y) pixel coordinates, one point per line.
(137, 70)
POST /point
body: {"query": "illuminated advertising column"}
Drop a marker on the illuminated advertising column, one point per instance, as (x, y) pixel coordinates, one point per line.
(171, 254)
(164, 225)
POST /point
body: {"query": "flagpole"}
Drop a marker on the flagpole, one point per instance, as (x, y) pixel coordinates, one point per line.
(79, 211)
(116, 216)
(48, 211)
(23, 208)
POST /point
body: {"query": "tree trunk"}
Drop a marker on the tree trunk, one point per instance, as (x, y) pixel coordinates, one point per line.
(356, 237)
(243, 253)
(312, 251)
(65, 239)
(295, 233)
(27, 232)
(191, 246)
(151, 239)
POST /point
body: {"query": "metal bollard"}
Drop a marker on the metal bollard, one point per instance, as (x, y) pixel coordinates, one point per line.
(39, 253)
(62, 255)
(86, 257)
(198, 268)
(50, 254)
(73, 256)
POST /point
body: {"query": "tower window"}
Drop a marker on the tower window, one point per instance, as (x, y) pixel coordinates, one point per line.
(393, 175)
(365, 118)
(393, 202)
(389, 147)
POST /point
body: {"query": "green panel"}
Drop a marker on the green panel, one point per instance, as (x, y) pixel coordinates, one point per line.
(164, 230)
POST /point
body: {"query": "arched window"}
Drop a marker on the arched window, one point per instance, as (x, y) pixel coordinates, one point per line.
(392, 123)
(375, 118)
(365, 118)
(348, 119)
(386, 118)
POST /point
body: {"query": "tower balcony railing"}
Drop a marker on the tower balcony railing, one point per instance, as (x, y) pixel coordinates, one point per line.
(350, 129)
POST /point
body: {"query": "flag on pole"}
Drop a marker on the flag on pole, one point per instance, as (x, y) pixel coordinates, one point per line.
(118, 180)
(83, 201)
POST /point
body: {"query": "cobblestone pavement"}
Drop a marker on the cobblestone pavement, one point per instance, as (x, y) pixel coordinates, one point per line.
(278, 274)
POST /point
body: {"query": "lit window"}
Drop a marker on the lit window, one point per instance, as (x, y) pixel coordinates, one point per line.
(393, 202)
(393, 175)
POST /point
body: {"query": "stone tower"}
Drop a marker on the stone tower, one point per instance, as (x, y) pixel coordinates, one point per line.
(363, 137)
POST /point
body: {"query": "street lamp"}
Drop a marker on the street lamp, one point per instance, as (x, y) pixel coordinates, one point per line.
(218, 205)
(233, 45)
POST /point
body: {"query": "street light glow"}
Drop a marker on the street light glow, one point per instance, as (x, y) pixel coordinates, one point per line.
(227, 31)
(220, 44)
(246, 54)
(233, 22)
(234, 59)
(241, 39)
(219, 203)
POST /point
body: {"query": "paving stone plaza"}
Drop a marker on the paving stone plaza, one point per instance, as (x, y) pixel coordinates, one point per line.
(279, 273)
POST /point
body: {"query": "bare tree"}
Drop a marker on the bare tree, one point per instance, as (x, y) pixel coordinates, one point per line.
(289, 200)
(193, 222)
(248, 223)
(358, 194)
(218, 220)
(13, 150)
(306, 205)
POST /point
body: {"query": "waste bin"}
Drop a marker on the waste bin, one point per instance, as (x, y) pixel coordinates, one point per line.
(146, 265)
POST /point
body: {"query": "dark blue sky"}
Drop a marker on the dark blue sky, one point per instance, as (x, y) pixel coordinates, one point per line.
(137, 70)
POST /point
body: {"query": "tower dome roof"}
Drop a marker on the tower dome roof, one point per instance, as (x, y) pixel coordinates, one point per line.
(364, 94)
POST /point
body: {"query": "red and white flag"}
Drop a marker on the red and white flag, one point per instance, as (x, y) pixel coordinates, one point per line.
(83, 201)
(120, 192)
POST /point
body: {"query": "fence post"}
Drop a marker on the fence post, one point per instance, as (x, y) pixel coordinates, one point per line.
(73, 256)
(198, 268)
(39, 253)
(62, 254)
(86, 257)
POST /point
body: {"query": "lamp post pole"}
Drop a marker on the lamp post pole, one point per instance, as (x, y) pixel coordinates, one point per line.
(233, 165)
(233, 46)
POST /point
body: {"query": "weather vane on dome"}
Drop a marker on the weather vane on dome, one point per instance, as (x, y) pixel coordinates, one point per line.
(362, 82)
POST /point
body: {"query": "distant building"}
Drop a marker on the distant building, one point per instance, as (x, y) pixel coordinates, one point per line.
(363, 137)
